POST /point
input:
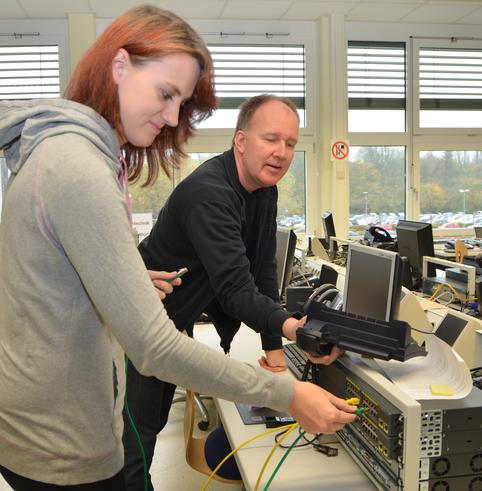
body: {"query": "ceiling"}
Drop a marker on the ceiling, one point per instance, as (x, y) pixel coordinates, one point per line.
(467, 12)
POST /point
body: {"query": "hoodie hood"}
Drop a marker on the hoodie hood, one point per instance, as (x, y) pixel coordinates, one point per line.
(24, 124)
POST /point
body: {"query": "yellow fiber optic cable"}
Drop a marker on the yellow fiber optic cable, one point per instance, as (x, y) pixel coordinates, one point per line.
(267, 432)
(278, 443)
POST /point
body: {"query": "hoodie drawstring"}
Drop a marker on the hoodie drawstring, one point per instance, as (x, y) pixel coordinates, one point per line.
(125, 186)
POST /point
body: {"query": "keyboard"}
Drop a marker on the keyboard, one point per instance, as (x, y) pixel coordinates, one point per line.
(296, 360)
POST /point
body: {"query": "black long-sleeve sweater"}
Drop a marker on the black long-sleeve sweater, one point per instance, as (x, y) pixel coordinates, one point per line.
(226, 237)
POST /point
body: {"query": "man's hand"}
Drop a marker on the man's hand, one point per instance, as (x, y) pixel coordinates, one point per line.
(319, 411)
(274, 361)
(335, 353)
(162, 287)
(291, 325)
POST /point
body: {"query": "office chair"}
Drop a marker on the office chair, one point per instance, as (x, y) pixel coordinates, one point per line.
(195, 447)
(460, 251)
(203, 425)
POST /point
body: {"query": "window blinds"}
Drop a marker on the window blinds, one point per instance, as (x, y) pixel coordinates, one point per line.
(450, 79)
(376, 75)
(243, 71)
(28, 72)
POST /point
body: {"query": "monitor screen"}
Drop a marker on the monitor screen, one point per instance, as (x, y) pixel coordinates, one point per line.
(415, 240)
(450, 328)
(329, 229)
(372, 282)
(285, 254)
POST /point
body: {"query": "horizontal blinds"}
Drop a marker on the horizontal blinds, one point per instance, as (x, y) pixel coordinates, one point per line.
(450, 79)
(29, 72)
(376, 75)
(243, 71)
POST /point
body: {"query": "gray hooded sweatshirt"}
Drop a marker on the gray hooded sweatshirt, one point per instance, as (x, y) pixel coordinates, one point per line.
(74, 294)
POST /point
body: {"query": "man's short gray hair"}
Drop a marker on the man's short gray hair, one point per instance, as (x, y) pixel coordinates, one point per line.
(249, 107)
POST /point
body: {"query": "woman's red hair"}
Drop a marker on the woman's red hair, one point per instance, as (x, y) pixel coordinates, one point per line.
(146, 33)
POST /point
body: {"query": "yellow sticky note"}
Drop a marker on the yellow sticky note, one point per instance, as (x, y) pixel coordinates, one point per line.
(441, 390)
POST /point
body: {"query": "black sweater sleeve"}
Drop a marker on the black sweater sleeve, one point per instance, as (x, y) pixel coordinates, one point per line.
(214, 230)
(267, 281)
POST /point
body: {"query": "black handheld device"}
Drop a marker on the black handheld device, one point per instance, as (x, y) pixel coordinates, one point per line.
(371, 337)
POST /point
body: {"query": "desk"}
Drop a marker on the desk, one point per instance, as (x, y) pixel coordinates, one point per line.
(304, 468)
(442, 253)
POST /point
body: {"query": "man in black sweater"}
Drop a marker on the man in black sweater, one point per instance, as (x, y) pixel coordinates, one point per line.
(220, 223)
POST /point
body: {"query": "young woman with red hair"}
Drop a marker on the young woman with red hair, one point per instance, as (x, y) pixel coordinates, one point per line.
(74, 292)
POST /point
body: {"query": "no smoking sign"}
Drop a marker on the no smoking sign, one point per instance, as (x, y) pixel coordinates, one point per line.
(340, 150)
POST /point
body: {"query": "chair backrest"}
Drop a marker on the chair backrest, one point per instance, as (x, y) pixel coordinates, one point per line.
(189, 413)
(460, 251)
(195, 446)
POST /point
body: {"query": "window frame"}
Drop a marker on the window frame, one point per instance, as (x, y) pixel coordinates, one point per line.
(413, 138)
(49, 32)
(255, 32)
(438, 144)
(210, 145)
(415, 45)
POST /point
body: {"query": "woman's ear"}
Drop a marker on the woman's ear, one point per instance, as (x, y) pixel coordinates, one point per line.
(120, 63)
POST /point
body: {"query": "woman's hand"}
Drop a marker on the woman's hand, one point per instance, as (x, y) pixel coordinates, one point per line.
(162, 286)
(319, 411)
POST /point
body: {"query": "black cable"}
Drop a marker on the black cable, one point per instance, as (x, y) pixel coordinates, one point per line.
(423, 332)
(306, 371)
(305, 444)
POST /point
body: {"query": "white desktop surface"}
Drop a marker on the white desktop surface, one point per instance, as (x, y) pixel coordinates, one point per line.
(442, 253)
(304, 469)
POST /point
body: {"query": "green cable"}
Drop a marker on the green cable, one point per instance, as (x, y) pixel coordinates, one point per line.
(280, 463)
(136, 433)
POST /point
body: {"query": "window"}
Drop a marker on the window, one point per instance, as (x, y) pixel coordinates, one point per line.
(146, 202)
(243, 71)
(28, 72)
(291, 189)
(451, 188)
(376, 86)
(151, 199)
(377, 187)
(195, 159)
(292, 195)
(450, 87)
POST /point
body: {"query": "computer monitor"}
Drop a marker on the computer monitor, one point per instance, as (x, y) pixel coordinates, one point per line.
(478, 232)
(415, 240)
(372, 282)
(462, 333)
(450, 328)
(329, 229)
(285, 255)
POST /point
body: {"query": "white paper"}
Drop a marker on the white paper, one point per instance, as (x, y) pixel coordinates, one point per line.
(442, 365)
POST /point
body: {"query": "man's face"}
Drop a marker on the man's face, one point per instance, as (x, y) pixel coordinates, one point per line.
(265, 149)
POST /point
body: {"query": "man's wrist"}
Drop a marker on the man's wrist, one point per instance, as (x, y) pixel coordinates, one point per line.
(290, 327)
